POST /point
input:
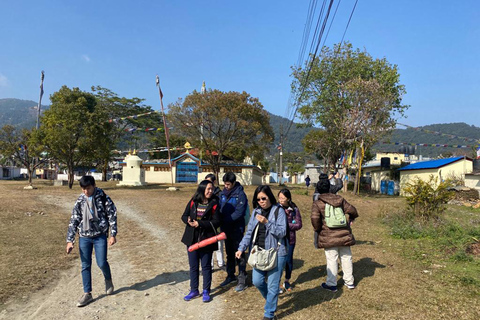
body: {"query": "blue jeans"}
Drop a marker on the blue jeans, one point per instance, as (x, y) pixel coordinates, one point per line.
(269, 289)
(205, 259)
(289, 263)
(86, 246)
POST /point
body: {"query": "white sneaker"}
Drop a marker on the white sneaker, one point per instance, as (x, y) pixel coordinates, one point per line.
(350, 286)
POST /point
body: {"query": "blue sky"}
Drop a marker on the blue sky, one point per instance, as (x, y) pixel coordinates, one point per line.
(236, 46)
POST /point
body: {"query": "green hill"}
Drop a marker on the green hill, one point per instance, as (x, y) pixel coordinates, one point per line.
(16, 112)
(293, 141)
(434, 134)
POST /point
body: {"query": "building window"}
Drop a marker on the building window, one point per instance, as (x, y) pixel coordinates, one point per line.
(163, 169)
(233, 169)
(395, 158)
(146, 168)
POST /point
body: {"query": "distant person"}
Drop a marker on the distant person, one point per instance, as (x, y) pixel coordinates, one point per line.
(201, 221)
(294, 220)
(233, 204)
(335, 241)
(93, 215)
(270, 220)
(221, 244)
(307, 181)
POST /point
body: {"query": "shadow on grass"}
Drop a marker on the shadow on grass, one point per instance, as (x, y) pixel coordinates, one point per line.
(365, 268)
(298, 300)
(301, 299)
(368, 242)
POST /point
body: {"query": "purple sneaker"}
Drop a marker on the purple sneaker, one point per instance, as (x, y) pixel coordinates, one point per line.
(191, 295)
(206, 296)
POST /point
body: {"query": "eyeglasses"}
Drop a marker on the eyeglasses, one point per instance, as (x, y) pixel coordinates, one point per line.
(262, 199)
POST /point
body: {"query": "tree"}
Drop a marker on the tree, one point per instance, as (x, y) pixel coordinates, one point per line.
(121, 113)
(354, 97)
(223, 123)
(20, 147)
(72, 130)
(324, 146)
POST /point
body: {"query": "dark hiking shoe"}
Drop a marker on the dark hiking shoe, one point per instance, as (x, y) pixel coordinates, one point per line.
(109, 287)
(191, 295)
(227, 281)
(330, 288)
(240, 287)
(85, 299)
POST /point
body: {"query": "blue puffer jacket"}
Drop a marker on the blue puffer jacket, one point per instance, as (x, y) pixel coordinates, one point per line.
(232, 207)
(276, 230)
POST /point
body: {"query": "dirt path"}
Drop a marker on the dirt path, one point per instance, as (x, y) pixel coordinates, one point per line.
(150, 277)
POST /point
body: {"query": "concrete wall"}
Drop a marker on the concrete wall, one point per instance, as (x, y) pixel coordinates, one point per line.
(457, 169)
(472, 181)
(377, 177)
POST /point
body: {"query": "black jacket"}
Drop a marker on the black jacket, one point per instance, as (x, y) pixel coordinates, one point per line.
(204, 229)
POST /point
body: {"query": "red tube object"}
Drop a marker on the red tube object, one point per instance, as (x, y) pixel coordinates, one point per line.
(206, 242)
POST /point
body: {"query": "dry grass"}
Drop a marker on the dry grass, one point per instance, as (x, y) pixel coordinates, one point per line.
(389, 286)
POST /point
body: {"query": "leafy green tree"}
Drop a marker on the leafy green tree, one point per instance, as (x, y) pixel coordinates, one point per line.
(354, 97)
(121, 113)
(323, 146)
(20, 147)
(72, 130)
(223, 123)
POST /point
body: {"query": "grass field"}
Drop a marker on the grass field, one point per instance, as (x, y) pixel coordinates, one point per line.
(429, 276)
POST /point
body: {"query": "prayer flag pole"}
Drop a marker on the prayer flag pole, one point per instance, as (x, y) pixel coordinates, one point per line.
(160, 93)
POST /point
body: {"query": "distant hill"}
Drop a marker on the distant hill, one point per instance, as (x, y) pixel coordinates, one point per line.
(416, 136)
(293, 141)
(23, 113)
(16, 112)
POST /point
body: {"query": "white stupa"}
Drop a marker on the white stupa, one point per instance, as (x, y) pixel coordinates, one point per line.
(133, 174)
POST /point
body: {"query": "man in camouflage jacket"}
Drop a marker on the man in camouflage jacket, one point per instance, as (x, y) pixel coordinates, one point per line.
(93, 215)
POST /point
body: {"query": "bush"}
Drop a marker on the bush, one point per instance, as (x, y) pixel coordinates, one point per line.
(427, 199)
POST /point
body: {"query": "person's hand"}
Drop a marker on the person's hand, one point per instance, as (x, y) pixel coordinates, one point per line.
(69, 247)
(330, 176)
(261, 219)
(238, 254)
(351, 222)
(112, 241)
(192, 223)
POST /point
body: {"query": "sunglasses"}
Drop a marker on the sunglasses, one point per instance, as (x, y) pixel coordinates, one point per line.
(262, 199)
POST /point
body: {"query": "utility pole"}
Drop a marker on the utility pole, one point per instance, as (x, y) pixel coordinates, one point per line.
(160, 93)
(203, 92)
(280, 148)
(40, 100)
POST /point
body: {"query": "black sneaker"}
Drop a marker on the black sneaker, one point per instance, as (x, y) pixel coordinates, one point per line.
(330, 288)
(227, 281)
(240, 287)
(85, 299)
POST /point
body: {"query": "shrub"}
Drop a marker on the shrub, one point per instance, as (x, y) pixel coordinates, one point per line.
(427, 199)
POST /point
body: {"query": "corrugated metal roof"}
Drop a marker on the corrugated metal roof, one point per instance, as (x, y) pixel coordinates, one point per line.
(433, 164)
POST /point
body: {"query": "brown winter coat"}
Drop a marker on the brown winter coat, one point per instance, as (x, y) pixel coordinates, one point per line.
(328, 238)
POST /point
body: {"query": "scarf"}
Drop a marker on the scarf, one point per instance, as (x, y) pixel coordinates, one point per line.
(89, 212)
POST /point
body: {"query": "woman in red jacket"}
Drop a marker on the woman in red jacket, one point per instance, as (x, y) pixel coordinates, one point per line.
(201, 222)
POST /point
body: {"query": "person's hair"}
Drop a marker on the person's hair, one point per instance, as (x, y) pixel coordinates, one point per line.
(265, 189)
(323, 185)
(199, 195)
(86, 181)
(229, 177)
(211, 177)
(288, 195)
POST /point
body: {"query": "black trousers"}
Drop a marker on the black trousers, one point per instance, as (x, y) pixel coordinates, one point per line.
(231, 246)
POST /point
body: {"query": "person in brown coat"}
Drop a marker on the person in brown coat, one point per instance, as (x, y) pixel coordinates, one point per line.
(335, 241)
